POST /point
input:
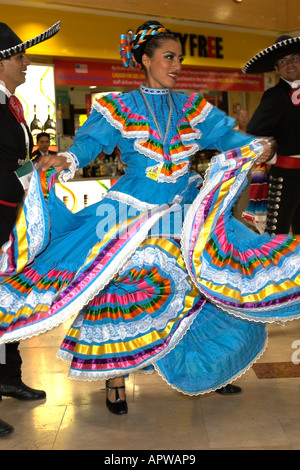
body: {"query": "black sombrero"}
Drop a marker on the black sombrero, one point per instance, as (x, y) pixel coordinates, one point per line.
(11, 44)
(265, 60)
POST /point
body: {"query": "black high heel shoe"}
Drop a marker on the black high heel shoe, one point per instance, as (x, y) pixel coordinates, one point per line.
(229, 389)
(118, 407)
(5, 428)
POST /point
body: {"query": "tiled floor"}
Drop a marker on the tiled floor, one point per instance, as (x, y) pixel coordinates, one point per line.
(265, 416)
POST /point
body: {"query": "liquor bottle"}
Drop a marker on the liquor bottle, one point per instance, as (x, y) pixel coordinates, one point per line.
(96, 167)
(87, 171)
(50, 128)
(35, 126)
(66, 200)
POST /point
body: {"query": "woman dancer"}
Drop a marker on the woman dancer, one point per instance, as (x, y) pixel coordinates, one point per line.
(160, 274)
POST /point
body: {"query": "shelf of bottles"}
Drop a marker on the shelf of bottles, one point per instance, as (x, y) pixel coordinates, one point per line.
(37, 96)
(49, 126)
(104, 166)
(200, 161)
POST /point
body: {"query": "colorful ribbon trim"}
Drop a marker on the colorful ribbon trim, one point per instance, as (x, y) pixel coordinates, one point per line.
(125, 50)
(144, 34)
(126, 44)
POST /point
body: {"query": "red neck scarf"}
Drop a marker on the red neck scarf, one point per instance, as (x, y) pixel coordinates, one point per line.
(16, 108)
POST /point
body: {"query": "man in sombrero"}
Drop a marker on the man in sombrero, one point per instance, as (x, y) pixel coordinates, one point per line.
(15, 148)
(278, 116)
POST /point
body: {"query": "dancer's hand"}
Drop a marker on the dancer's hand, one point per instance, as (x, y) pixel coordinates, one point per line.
(270, 147)
(59, 162)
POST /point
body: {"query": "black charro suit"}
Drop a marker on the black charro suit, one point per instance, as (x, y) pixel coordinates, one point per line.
(12, 150)
(278, 117)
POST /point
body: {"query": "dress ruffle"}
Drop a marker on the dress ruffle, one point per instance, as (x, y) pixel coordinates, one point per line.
(250, 276)
(139, 316)
(31, 233)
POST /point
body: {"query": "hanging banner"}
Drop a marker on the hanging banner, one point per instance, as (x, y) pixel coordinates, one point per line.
(219, 80)
(112, 75)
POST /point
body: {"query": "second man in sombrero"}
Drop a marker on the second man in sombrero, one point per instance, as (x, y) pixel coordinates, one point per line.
(278, 116)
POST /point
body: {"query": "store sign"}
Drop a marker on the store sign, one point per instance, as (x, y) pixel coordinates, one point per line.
(219, 80)
(201, 46)
(113, 75)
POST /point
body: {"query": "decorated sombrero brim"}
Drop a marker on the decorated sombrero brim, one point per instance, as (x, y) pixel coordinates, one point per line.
(11, 44)
(265, 60)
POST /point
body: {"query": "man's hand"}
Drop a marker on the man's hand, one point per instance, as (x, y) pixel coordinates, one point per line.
(57, 161)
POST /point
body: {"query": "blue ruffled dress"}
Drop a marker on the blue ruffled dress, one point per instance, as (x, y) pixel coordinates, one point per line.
(158, 273)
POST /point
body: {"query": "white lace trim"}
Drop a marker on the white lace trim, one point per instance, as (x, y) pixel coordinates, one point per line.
(129, 200)
(36, 224)
(248, 286)
(203, 115)
(4, 258)
(13, 303)
(66, 175)
(140, 205)
(195, 177)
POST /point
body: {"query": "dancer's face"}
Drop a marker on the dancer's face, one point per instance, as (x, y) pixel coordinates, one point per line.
(163, 68)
